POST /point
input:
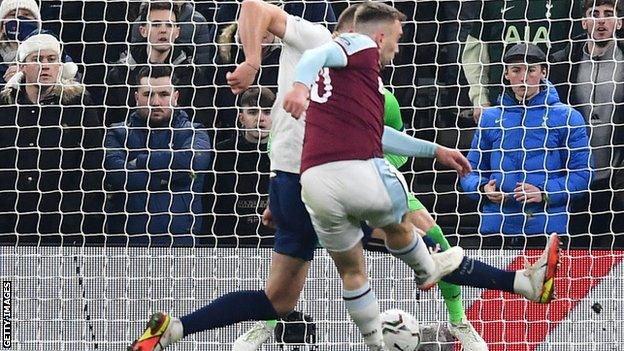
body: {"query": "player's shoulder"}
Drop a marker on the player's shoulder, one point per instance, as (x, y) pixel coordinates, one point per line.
(355, 42)
(303, 34)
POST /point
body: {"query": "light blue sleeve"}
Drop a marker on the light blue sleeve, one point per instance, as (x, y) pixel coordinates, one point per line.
(399, 143)
(327, 55)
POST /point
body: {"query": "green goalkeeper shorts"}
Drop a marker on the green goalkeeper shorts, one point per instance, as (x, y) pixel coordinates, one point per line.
(413, 203)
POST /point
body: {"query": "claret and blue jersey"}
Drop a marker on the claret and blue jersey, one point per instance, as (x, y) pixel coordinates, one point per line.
(347, 104)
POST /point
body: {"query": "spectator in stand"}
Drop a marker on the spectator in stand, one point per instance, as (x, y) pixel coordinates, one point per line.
(19, 19)
(50, 148)
(194, 30)
(159, 29)
(530, 155)
(589, 74)
(501, 23)
(240, 190)
(155, 164)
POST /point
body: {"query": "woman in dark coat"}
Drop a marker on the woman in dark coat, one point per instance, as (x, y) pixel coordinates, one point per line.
(50, 149)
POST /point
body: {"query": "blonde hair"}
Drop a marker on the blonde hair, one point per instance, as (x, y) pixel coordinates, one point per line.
(226, 39)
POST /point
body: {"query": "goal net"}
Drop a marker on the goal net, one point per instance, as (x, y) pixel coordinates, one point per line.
(89, 249)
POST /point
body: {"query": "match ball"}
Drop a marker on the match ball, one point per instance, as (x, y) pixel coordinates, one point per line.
(400, 330)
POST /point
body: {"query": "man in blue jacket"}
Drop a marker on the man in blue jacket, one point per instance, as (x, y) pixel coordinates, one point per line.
(155, 164)
(530, 155)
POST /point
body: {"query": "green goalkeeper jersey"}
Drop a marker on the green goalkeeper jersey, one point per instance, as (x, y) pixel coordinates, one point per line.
(392, 118)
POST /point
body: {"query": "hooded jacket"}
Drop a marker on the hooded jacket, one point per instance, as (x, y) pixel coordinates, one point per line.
(156, 177)
(542, 142)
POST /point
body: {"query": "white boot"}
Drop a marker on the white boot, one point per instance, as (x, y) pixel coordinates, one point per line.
(253, 339)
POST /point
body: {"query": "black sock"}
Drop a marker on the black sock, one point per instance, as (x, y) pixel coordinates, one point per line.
(229, 309)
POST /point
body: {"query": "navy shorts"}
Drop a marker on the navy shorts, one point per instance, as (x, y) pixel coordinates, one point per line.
(295, 235)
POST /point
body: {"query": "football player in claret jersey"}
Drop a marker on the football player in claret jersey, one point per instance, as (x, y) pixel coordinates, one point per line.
(480, 275)
(342, 154)
(293, 248)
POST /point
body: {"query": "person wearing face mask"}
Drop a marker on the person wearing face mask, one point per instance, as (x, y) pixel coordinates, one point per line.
(50, 142)
(240, 189)
(19, 19)
(530, 155)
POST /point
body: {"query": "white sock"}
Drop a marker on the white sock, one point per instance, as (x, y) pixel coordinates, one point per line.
(522, 284)
(364, 311)
(416, 256)
(176, 330)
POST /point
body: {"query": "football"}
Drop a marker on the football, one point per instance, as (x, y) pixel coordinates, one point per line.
(400, 330)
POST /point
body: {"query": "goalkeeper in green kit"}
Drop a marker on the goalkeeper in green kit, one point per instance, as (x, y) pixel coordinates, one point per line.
(460, 327)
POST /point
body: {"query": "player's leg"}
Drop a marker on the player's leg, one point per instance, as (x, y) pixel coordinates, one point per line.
(402, 239)
(420, 217)
(332, 197)
(289, 268)
(535, 282)
(358, 296)
(459, 325)
(283, 287)
(295, 240)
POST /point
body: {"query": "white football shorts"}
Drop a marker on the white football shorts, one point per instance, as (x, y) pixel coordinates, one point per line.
(341, 195)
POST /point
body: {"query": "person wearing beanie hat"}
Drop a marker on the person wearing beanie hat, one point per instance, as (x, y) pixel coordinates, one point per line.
(42, 146)
(18, 19)
(8, 7)
(50, 152)
(45, 50)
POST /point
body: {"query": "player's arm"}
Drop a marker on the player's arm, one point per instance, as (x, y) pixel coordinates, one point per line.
(306, 72)
(256, 18)
(400, 143)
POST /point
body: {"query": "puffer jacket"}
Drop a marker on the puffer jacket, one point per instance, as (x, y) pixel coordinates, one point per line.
(542, 142)
(155, 178)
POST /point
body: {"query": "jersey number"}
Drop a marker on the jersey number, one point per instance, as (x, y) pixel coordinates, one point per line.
(314, 94)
